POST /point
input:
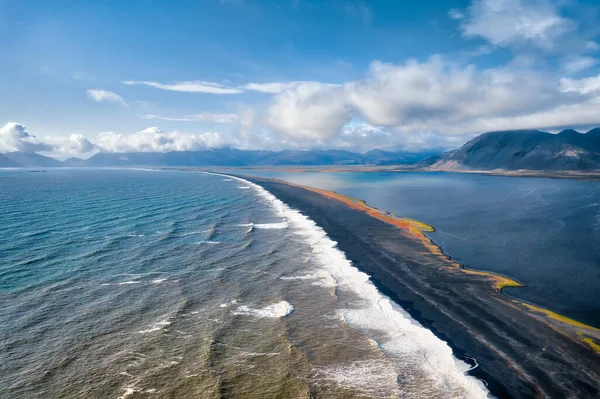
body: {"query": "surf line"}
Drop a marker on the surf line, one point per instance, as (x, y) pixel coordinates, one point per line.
(384, 312)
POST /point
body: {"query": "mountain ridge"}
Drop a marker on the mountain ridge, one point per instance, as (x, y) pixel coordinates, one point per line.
(568, 150)
(510, 150)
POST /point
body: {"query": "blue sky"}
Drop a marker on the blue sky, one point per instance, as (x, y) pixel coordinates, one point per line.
(77, 77)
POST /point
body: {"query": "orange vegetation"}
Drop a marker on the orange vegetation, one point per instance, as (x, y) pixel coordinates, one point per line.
(417, 230)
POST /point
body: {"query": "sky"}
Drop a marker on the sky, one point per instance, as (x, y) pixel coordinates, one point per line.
(78, 77)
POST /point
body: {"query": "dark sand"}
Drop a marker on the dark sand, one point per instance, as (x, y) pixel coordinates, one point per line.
(520, 354)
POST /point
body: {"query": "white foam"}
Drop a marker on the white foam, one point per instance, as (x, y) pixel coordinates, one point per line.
(409, 344)
(280, 225)
(208, 242)
(228, 304)
(279, 309)
(128, 392)
(159, 325)
(135, 235)
(192, 233)
(158, 280)
(128, 282)
(319, 278)
(243, 187)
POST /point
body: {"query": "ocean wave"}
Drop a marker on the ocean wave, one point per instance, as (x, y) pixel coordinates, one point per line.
(319, 278)
(192, 233)
(276, 310)
(228, 304)
(280, 225)
(414, 348)
(159, 325)
(129, 282)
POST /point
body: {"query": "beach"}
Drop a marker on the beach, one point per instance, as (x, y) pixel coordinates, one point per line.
(518, 349)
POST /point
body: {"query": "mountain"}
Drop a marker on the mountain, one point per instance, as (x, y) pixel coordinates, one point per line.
(32, 160)
(73, 162)
(525, 149)
(235, 157)
(6, 162)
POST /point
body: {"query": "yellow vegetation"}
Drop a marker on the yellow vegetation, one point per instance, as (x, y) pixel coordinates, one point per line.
(416, 229)
(591, 343)
(558, 317)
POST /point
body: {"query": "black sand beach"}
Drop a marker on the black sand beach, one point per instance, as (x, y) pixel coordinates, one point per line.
(520, 354)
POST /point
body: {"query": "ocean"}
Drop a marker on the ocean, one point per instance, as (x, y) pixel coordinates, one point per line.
(153, 284)
(543, 232)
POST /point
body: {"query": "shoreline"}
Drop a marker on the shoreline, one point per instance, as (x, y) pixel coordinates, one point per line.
(417, 229)
(592, 176)
(521, 349)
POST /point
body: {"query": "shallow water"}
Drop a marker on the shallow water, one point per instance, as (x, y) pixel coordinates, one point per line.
(543, 232)
(122, 284)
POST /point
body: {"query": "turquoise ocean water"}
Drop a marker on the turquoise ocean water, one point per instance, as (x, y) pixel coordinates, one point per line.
(149, 284)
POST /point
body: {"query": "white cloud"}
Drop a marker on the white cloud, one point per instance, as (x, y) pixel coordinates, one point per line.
(308, 111)
(436, 95)
(73, 145)
(516, 22)
(579, 64)
(584, 86)
(154, 139)
(271, 87)
(13, 137)
(202, 117)
(456, 14)
(188, 86)
(105, 95)
(278, 87)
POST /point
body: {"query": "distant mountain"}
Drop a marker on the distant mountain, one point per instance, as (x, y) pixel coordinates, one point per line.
(32, 160)
(6, 162)
(525, 149)
(219, 157)
(235, 157)
(73, 162)
(533, 150)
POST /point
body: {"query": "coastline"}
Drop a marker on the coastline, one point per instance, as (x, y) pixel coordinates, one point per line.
(564, 175)
(521, 349)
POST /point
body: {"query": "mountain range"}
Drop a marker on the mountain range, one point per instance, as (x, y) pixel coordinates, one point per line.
(568, 150)
(218, 157)
(532, 150)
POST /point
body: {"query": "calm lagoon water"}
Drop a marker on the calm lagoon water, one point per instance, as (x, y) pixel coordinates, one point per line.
(543, 232)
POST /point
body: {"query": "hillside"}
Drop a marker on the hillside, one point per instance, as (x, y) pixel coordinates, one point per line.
(525, 149)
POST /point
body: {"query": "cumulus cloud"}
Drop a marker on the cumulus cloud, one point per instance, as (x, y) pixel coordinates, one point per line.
(583, 86)
(308, 110)
(154, 139)
(436, 94)
(579, 64)
(188, 86)
(202, 117)
(13, 137)
(105, 95)
(517, 22)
